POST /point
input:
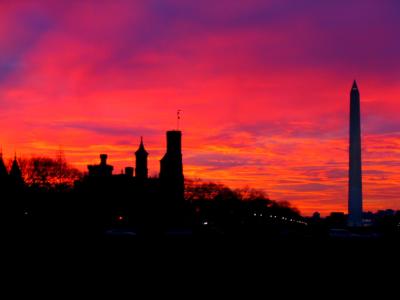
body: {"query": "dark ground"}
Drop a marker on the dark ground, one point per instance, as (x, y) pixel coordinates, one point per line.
(195, 267)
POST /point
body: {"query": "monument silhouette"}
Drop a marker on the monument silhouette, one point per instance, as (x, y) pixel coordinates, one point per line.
(355, 197)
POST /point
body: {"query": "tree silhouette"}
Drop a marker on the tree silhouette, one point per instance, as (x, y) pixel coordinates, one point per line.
(46, 173)
(196, 189)
(240, 211)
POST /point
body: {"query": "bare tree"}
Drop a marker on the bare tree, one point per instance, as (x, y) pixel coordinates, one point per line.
(48, 173)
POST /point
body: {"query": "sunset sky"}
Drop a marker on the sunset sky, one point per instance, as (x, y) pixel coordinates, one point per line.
(263, 85)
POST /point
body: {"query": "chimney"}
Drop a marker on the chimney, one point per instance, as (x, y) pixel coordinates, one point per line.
(103, 159)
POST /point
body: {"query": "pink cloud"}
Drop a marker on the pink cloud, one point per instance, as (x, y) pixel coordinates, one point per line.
(263, 86)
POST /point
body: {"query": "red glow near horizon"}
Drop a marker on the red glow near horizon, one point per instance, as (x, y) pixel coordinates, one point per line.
(263, 86)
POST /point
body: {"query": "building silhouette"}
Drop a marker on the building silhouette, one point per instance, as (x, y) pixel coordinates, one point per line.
(133, 195)
(102, 169)
(15, 176)
(171, 169)
(141, 161)
(355, 197)
(11, 181)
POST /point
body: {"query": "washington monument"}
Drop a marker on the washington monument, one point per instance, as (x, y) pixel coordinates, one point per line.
(355, 174)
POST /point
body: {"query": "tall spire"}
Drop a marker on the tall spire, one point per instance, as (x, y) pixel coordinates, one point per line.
(355, 198)
(141, 161)
(141, 148)
(15, 170)
(15, 174)
(354, 87)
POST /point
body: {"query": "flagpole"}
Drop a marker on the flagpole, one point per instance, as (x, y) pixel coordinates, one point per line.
(178, 118)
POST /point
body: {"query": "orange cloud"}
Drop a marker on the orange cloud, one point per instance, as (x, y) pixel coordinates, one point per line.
(263, 86)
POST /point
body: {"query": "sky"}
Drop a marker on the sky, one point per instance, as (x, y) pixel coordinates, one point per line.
(263, 87)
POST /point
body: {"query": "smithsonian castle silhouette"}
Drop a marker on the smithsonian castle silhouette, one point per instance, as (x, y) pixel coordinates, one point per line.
(102, 199)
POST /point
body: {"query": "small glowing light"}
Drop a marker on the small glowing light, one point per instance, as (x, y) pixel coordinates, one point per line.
(205, 223)
(255, 214)
(120, 218)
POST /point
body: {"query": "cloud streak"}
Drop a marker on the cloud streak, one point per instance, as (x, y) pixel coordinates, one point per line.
(264, 87)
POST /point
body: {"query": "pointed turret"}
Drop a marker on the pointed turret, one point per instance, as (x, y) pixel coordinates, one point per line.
(3, 169)
(15, 171)
(141, 161)
(141, 149)
(16, 175)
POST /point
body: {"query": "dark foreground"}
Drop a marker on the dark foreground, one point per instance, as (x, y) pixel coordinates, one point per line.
(189, 265)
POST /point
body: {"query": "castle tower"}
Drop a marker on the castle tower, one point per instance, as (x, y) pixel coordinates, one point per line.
(15, 175)
(102, 169)
(355, 197)
(171, 169)
(141, 161)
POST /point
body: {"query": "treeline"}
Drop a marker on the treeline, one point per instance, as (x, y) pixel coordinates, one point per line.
(48, 174)
(220, 209)
(201, 191)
